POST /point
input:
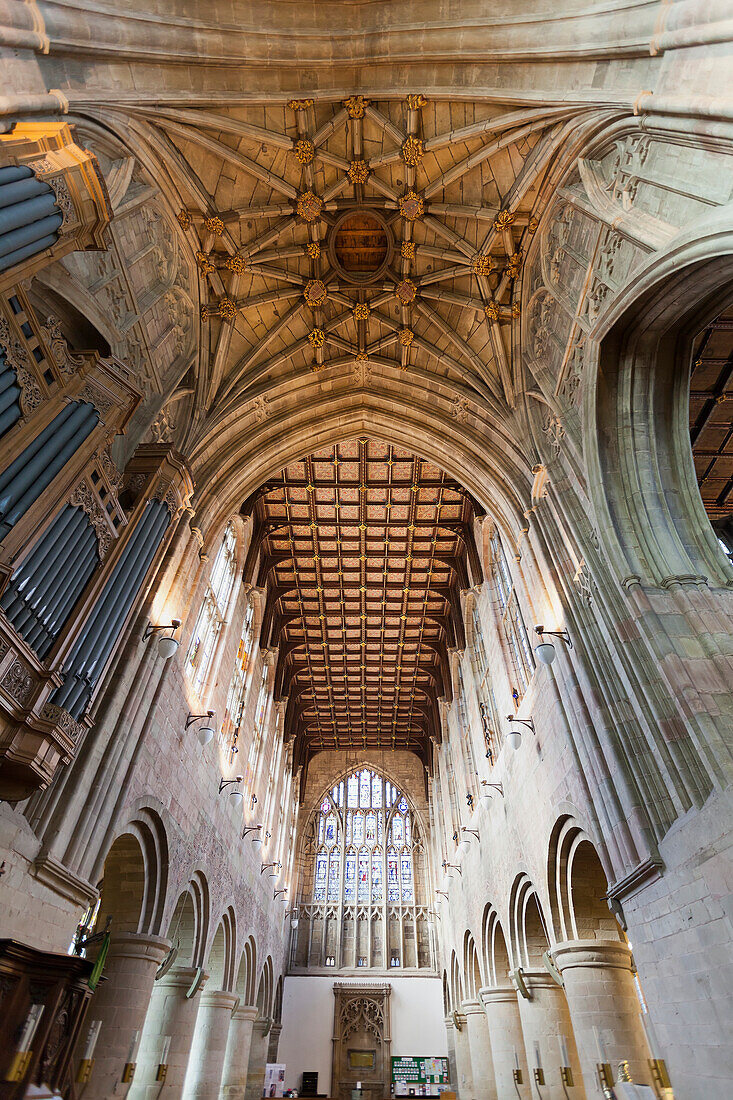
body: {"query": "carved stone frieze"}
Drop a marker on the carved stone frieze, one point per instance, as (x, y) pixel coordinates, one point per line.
(66, 362)
(63, 720)
(19, 682)
(96, 396)
(83, 497)
(31, 395)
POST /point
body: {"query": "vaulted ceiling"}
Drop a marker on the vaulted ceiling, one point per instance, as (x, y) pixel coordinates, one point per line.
(354, 237)
(363, 549)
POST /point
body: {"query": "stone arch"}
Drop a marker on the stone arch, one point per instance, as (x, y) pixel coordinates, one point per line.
(189, 923)
(473, 978)
(529, 935)
(123, 886)
(277, 1004)
(220, 962)
(447, 1003)
(577, 886)
(496, 959)
(246, 973)
(264, 990)
(145, 835)
(456, 983)
(642, 477)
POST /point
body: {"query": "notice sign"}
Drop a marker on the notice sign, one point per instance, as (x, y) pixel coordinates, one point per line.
(420, 1071)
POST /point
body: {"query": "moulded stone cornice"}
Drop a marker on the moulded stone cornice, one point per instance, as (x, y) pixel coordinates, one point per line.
(58, 878)
(642, 874)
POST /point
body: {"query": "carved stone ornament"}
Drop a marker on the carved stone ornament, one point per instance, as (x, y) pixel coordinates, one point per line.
(65, 361)
(460, 409)
(64, 201)
(83, 497)
(63, 720)
(171, 500)
(411, 205)
(315, 292)
(31, 395)
(111, 472)
(261, 408)
(95, 396)
(304, 150)
(309, 206)
(356, 106)
(19, 682)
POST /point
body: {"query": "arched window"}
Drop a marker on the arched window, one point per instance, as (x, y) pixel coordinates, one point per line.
(258, 731)
(369, 862)
(212, 616)
(485, 688)
(232, 722)
(512, 620)
(464, 725)
(364, 824)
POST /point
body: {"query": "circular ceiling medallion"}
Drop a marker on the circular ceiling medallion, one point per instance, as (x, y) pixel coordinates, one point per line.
(360, 246)
(315, 292)
(406, 291)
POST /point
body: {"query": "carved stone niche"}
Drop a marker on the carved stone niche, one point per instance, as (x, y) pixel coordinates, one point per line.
(73, 174)
(362, 1040)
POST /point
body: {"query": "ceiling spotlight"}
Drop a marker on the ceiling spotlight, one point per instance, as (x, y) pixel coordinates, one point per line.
(546, 650)
(167, 643)
(235, 795)
(205, 732)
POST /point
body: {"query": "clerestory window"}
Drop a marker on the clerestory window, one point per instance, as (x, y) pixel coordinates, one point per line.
(512, 620)
(212, 616)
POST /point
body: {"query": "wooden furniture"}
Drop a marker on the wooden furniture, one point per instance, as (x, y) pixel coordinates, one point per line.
(49, 988)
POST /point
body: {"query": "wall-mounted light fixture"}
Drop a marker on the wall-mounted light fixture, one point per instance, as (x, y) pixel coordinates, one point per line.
(167, 643)
(443, 894)
(473, 832)
(451, 867)
(236, 796)
(205, 732)
(546, 650)
(486, 796)
(514, 737)
(294, 917)
(257, 839)
(278, 892)
(274, 868)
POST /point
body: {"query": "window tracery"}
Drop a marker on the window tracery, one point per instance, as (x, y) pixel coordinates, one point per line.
(512, 619)
(212, 615)
(364, 899)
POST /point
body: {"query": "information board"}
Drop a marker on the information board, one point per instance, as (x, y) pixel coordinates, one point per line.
(420, 1071)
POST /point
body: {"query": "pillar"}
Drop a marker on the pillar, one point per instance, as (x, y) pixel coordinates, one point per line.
(602, 999)
(545, 1023)
(450, 1033)
(464, 1070)
(479, 1045)
(206, 1064)
(171, 1014)
(507, 1041)
(273, 1042)
(121, 1003)
(236, 1057)
(257, 1059)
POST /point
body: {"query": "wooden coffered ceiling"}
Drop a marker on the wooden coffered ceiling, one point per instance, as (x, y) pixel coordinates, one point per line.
(363, 549)
(454, 185)
(711, 429)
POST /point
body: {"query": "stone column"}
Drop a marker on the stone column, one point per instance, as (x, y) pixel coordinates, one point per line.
(507, 1041)
(450, 1032)
(121, 1003)
(206, 1064)
(257, 1059)
(545, 1021)
(464, 1070)
(479, 1045)
(236, 1057)
(273, 1042)
(601, 996)
(173, 1014)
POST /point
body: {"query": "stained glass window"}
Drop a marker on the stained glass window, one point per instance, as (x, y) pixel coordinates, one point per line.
(319, 893)
(362, 814)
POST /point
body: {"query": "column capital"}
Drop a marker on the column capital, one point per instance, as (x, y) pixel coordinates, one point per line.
(182, 977)
(245, 1012)
(592, 954)
(218, 998)
(138, 945)
(471, 1008)
(497, 994)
